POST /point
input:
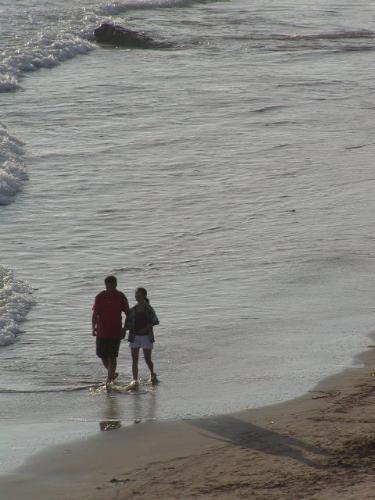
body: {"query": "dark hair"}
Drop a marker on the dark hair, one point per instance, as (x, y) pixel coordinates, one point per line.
(144, 293)
(111, 279)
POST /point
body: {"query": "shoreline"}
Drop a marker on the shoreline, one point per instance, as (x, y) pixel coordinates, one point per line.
(247, 451)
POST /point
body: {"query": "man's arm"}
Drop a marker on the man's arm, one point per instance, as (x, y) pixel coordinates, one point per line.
(125, 305)
(93, 321)
(125, 309)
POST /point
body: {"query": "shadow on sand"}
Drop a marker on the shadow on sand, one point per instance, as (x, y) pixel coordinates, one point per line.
(232, 430)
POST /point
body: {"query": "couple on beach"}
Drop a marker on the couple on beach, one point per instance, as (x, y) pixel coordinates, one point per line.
(108, 330)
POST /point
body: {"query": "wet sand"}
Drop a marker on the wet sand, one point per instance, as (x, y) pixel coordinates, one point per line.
(321, 445)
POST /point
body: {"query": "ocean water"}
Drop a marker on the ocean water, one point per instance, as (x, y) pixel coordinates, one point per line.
(231, 174)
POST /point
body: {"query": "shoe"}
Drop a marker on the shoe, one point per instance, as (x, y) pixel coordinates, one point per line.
(153, 379)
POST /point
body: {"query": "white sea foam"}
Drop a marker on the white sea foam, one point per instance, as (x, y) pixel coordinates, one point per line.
(45, 51)
(15, 302)
(12, 169)
(8, 82)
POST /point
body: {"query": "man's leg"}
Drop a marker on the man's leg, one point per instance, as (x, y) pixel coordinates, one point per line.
(101, 351)
(135, 357)
(112, 364)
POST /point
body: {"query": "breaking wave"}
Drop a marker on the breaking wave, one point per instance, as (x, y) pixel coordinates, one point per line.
(12, 169)
(45, 51)
(114, 8)
(15, 302)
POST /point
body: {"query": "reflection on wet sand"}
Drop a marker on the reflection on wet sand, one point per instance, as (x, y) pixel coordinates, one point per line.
(141, 411)
(111, 414)
(144, 408)
(109, 425)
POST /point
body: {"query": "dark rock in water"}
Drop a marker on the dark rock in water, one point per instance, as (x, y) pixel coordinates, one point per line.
(118, 36)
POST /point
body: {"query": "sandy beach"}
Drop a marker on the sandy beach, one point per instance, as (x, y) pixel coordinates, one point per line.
(321, 445)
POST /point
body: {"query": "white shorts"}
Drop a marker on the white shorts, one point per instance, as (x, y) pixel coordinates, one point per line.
(141, 342)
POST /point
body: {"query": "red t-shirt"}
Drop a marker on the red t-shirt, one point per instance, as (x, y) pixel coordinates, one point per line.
(109, 306)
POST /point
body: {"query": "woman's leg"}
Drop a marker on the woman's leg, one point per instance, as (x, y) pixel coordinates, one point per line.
(147, 355)
(135, 357)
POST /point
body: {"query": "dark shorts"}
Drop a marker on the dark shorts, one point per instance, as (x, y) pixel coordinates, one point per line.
(107, 348)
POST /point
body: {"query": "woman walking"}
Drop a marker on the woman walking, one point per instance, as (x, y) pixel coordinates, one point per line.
(140, 322)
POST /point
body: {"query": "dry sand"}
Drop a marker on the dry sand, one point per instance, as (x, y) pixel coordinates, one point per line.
(320, 446)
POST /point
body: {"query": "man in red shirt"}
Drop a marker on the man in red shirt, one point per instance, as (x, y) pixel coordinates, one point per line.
(107, 324)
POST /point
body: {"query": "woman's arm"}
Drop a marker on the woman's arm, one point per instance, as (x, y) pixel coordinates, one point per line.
(154, 319)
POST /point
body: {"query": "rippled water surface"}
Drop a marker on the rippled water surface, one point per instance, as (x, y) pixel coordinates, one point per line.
(231, 174)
